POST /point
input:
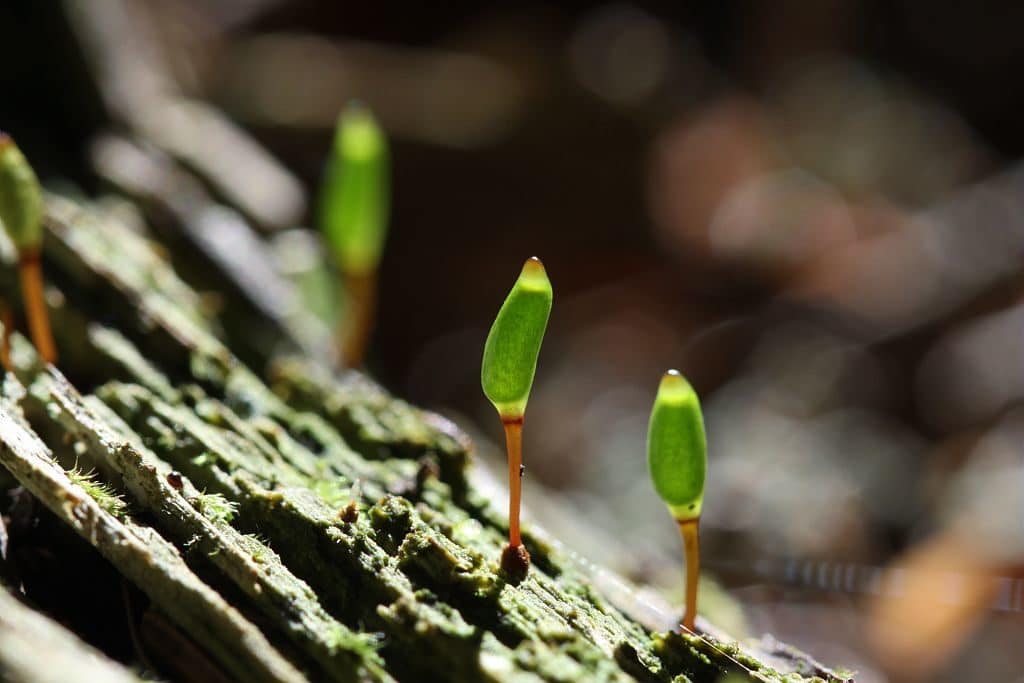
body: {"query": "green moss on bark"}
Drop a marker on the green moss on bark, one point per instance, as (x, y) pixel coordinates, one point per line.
(343, 518)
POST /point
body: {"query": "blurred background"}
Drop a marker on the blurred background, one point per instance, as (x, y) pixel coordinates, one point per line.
(815, 210)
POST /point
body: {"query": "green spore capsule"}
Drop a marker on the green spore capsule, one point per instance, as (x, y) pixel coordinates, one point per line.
(355, 193)
(677, 458)
(510, 361)
(676, 447)
(21, 200)
(21, 211)
(354, 203)
(510, 354)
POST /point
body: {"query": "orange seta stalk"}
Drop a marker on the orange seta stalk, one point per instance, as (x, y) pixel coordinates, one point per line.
(361, 289)
(515, 559)
(514, 444)
(30, 272)
(5, 342)
(689, 529)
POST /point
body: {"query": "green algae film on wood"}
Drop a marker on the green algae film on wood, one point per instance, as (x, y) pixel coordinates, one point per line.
(676, 446)
(21, 201)
(512, 347)
(355, 192)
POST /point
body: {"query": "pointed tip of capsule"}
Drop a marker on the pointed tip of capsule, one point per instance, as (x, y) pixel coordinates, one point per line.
(358, 136)
(356, 112)
(675, 388)
(534, 275)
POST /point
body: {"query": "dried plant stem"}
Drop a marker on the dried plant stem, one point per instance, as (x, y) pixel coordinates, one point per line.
(689, 529)
(31, 273)
(361, 290)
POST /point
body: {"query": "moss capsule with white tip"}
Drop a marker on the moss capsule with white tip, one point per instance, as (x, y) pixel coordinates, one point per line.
(506, 375)
(21, 212)
(354, 207)
(677, 459)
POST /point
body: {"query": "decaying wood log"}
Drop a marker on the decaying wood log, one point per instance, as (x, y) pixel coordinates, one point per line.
(287, 522)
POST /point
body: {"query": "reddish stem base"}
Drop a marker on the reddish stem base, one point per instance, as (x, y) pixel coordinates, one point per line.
(689, 529)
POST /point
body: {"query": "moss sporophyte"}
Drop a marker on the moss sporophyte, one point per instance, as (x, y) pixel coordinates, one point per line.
(21, 211)
(354, 207)
(506, 374)
(677, 459)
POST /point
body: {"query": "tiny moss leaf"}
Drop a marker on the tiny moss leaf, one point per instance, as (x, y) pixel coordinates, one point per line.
(216, 508)
(105, 496)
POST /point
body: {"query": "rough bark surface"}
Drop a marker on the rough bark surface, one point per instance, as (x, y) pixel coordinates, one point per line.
(290, 524)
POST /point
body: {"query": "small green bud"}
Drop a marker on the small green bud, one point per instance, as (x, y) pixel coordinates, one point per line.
(676, 447)
(354, 195)
(21, 200)
(510, 354)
